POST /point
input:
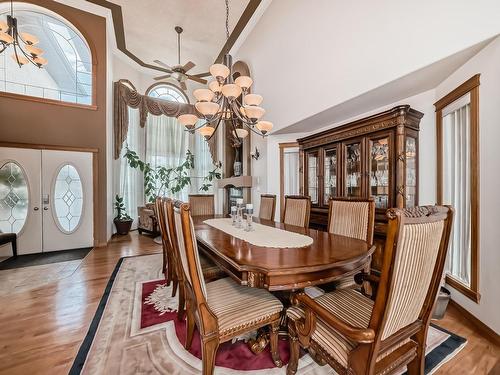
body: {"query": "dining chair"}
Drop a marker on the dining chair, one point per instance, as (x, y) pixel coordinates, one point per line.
(210, 270)
(222, 309)
(356, 335)
(202, 204)
(267, 206)
(297, 210)
(165, 242)
(355, 218)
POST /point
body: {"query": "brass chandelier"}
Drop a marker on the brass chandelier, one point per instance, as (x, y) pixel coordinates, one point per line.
(221, 102)
(23, 44)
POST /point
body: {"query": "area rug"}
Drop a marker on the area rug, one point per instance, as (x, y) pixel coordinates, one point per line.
(135, 330)
(39, 259)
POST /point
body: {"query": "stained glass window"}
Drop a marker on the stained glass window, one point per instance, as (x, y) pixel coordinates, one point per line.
(68, 198)
(14, 198)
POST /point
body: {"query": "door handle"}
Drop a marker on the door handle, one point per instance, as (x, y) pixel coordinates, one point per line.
(35, 208)
(45, 208)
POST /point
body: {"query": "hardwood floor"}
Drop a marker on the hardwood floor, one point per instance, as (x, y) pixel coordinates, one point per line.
(42, 329)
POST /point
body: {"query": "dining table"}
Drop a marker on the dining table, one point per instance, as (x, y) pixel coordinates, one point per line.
(286, 258)
(278, 257)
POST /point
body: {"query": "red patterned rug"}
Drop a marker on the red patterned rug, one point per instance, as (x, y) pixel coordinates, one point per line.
(135, 330)
(235, 355)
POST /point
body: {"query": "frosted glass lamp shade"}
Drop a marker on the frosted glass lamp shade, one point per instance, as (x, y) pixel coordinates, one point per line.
(231, 90)
(4, 37)
(188, 120)
(244, 82)
(20, 59)
(29, 39)
(240, 133)
(3, 26)
(34, 51)
(253, 99)
(40, 61)
(207, 108)
(253, 112)
(203, 95)
(206, 131)
(264, 126)
(214, 86)
(219, 71)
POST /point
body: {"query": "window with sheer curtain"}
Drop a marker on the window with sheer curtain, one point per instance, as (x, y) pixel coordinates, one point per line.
(457, 121)
(163, 142)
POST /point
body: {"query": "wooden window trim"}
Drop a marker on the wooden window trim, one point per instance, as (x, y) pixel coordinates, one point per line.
(470, 86)
(37, 99)
(282, 147)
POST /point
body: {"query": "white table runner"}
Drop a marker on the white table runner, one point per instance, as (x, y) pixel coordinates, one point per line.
(262, 235)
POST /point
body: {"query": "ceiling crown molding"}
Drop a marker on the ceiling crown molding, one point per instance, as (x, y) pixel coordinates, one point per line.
(116, 13)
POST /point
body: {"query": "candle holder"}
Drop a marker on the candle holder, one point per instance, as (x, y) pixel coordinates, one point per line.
(234, 211)
(239, 214)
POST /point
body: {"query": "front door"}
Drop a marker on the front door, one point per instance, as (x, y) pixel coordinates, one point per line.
(46, 198)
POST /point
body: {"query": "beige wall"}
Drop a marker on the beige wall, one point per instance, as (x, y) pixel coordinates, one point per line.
(27, 121)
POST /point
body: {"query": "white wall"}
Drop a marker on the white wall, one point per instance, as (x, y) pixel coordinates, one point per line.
(487, 64)
(309, 56)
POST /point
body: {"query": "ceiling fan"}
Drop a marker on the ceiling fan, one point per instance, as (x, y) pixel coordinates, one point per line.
(179, 72)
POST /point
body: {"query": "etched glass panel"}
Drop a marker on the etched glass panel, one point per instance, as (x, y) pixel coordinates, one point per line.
(379, 172)
(68, 198)
(14, 198)
(411, 171)
(312, 177)
(330, 175)
(353, 170)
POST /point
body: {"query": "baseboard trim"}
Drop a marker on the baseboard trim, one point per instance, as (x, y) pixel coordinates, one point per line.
(483, 328)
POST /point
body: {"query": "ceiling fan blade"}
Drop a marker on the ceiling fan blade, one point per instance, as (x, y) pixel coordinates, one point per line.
(197, 79)
(163, 64)
(188, 66)
(200, 75)
(162, 77)
(183, 86)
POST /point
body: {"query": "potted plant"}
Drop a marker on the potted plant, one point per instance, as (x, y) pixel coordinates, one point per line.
(122, 221)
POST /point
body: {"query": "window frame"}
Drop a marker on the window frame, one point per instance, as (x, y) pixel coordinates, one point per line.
(66, 18)
(174, 87)
(471, 86)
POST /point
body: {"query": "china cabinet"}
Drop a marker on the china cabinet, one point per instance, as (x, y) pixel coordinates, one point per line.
(376, 157)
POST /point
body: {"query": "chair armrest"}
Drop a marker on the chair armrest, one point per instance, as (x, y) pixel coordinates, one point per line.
(363, 276)
(360, 335)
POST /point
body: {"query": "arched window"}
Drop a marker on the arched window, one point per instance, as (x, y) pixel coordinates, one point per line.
(68, 75)
(167, 91)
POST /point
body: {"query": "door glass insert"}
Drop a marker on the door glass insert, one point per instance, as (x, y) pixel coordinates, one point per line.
(379, 172)
(353, 170)
(312, 177)
(68, 198)
(411, 171)
(330, 175)
(14, 198)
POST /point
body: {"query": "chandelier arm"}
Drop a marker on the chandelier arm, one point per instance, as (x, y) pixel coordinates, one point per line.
(215, 130)
(241, 118)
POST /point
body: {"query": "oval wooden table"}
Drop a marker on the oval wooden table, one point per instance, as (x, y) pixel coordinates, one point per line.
(330, 257)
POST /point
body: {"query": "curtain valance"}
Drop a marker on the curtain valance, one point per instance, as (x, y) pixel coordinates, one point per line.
(126, 96)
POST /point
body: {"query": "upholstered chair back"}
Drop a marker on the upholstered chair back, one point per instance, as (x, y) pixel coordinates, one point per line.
(201, 204)
(297, 210)
(188, 249)
(415, 253)
(267, 206)
(352, 218)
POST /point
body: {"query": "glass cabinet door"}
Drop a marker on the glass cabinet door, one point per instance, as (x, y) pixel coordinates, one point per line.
(353, 169)
(312, 177)
(379, 172)
(411, 172)
(330, 175)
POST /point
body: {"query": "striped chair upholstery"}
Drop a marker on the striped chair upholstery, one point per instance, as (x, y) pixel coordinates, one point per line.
(201, 204)
(392, 329)
(226, 300)
(413, 271)
(297, 210)
(267, 206)
(353, 218)
(222, 309)
(349, 305)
